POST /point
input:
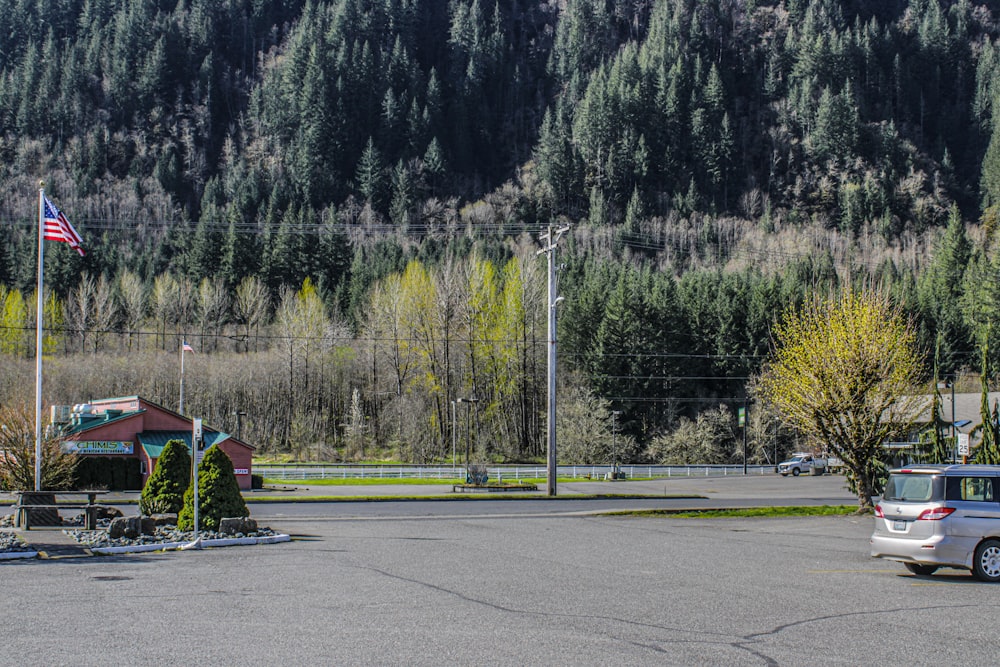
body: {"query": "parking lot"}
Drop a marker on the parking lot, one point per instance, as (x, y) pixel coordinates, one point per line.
(506, 590)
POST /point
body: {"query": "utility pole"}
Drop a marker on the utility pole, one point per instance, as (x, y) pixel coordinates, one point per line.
(743, 423)
(551, 239)
(614, 443)
(470, 402)
(954, 439)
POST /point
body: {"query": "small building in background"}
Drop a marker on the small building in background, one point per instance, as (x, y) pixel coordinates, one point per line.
(120, 440)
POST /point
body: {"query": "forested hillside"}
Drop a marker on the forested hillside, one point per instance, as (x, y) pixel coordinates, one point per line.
(339, 203)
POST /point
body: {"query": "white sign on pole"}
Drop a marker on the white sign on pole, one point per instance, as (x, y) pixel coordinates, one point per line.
(197, 454)
(963, 444)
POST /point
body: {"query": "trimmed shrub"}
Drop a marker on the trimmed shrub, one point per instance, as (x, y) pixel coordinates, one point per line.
(164, 492)
(256, 481)
(218, 493)
(108, 472)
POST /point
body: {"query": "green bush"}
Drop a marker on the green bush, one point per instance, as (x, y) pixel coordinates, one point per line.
(256, 481)
(114, 473)
(218, 494)
(164, 492)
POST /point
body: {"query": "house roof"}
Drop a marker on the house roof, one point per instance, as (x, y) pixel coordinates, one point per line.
(968, 409)
(153, 442)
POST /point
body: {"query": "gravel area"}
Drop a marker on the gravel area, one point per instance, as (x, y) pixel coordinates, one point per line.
(163, 534)
(11, 543)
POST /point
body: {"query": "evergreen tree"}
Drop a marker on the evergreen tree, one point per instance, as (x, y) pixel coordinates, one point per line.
(164, 490)
(989, 447)
(942, 291)
(218, 494)
(369, 176)
(940, 448)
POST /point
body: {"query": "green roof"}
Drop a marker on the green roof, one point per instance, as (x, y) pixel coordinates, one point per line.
(154, 441)
(85, 422)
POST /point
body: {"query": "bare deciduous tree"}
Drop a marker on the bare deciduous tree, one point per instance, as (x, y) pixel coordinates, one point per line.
(79, 310)
(132, 296)
(212, 307)
(164, 298)
(17, 454)
(251, 308)
(105, 310)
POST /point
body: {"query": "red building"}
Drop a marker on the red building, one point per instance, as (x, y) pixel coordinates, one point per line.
(132, 427)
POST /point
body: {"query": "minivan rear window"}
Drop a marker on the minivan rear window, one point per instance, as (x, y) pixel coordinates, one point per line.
(913, 488)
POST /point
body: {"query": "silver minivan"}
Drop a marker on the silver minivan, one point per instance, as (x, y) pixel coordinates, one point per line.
(933, 516)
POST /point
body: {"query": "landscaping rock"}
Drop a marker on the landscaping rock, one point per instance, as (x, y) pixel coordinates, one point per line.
(237, 525)
(163, 535)
(105, 513)
(126, 526)
(167, 519)
(116, 529)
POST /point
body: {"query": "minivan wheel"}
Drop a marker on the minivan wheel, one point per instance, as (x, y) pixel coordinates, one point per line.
(922, 570)
(795, 471)
(986, 564)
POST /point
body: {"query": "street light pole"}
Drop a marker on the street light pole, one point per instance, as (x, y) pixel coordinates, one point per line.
(239, 424)
(468, 428)
(454, 434)
(614, 443)
(954, 440)
(551, 240)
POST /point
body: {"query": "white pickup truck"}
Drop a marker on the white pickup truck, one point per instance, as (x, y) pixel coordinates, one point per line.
(802, 462)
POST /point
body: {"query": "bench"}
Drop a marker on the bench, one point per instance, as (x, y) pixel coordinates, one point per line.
(27, 505)
(492, 488)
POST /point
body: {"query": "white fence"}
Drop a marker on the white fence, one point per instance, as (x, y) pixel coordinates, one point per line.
(307, 471)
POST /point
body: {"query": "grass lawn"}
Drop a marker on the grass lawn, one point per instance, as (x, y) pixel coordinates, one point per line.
(750, 512)
(379, 481)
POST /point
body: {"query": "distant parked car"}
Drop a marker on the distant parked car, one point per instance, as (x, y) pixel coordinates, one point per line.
(941, 516)
(802, 462)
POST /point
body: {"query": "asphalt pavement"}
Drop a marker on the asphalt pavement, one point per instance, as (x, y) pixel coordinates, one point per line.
(728, 488)
(568, 590)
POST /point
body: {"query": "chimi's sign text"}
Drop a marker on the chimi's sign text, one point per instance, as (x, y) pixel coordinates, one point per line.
(99, 446)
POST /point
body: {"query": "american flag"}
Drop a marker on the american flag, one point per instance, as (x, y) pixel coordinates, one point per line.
(188, 348)
(58, 228)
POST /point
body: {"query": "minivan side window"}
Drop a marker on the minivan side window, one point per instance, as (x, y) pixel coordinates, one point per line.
(972, 489)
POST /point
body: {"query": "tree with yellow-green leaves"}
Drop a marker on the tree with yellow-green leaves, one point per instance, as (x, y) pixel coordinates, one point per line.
(844, 372)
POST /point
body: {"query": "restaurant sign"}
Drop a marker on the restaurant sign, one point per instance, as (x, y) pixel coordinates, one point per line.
(98, 446)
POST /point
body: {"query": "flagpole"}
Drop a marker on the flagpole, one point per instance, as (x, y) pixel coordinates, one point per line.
(180, 407)
(38, 338)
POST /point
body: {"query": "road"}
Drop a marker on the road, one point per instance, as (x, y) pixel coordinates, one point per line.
(573, 498)
(505, 590)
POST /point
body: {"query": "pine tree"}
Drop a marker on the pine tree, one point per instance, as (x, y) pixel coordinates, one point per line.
(218, 494)
(369, 176)
(164, 490)
(989, 183)
(989, 447)
(939, 443)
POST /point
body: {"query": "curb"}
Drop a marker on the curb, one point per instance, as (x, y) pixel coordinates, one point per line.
(164, 546)
(197, 544)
